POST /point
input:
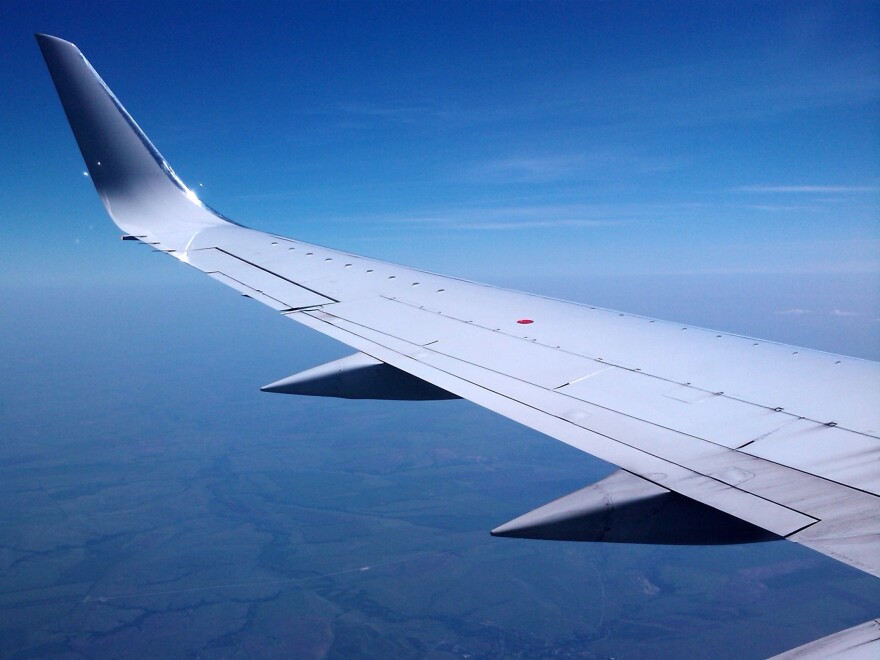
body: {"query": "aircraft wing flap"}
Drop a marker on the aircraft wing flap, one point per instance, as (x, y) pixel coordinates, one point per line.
(264, 282)
(245, 290)
(850, 537)
(832, 452)
(708, 415)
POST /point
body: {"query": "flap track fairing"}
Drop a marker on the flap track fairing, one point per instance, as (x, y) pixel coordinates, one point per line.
(359, 376)
(624, 508)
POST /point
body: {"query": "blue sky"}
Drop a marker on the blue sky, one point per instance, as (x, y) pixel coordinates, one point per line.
(531, 143)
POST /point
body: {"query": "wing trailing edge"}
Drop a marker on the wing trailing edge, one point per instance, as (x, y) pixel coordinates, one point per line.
(860, 642)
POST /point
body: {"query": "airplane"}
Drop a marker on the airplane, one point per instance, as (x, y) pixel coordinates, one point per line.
(719, 438)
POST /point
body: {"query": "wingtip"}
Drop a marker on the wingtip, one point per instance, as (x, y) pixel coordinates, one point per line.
(42, 37)
(46, 41)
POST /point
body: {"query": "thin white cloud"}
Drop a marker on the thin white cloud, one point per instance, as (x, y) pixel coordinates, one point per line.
(538, 216)
(521, 169)
(545, 168)
(784, 208)
(807, 189)
(536, 224)
(799, 311)
(507, 218)
(404, 113)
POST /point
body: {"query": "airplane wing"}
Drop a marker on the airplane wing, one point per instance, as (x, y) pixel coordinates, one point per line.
(720, 438)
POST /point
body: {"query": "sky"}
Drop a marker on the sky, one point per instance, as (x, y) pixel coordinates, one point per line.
(581, 138)
(711, 163)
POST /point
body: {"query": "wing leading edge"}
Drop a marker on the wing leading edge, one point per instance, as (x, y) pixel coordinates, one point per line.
(783, 438)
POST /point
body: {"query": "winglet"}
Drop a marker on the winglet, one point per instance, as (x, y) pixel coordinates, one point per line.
(141, 192)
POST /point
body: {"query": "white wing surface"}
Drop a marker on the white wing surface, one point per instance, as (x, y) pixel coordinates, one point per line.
(701, 422)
